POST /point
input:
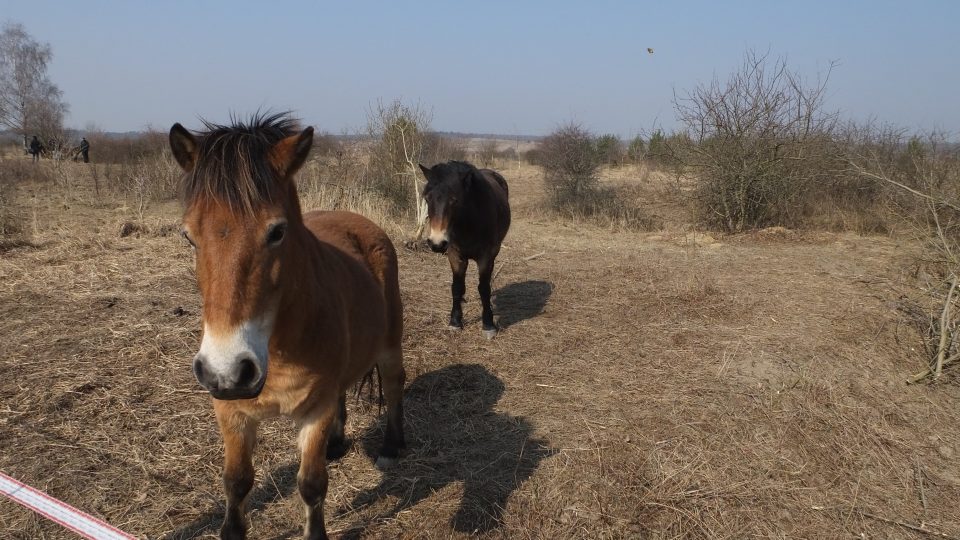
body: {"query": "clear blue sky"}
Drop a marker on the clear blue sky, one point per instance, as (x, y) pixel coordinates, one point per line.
(492, 67)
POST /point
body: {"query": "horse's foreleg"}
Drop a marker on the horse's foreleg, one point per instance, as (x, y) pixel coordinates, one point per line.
(458, 265)
(485, 267)
(312, 477)
(392, 377)
(239, 438)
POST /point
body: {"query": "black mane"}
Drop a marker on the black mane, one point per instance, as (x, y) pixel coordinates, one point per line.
(232, 163)
(452, 169)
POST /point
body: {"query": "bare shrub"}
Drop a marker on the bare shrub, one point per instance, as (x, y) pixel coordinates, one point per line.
(327, 145)
(400, 132)
(569, 161)
(611, 207)
(11, 173)
(486, 153)
(636, 150)
(610, 150)
(508, 154)
(534, 156)
(340, 185)
(570, 164)
(13, 214)
(921, 177)
(439, 148)
(656, 150)
(144, 180)
(762, 142)
(127, 148)
(340, 182)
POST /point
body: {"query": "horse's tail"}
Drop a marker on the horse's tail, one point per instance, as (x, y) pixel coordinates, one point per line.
(367, 382)
(383, 262)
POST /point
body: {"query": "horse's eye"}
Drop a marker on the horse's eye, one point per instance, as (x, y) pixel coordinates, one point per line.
(186, 237)
(275, 234)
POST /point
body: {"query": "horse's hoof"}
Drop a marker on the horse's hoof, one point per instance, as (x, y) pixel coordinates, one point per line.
(490, 334)
(454, 328)
(384, 462)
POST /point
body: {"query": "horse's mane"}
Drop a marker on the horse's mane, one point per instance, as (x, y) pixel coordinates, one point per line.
(457, 168)
(232, 164)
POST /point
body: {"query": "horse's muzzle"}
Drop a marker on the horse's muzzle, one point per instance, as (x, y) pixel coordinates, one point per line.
(244, 382)
(438, 247)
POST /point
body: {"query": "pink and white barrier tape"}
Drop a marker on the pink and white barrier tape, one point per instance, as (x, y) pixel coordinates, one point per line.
(79, 522)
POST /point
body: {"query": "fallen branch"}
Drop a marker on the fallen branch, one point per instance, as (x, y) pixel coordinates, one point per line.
(497, 273)
(920, 376)
(923, 495)
(944, 329)
(910, 526)
(534, 256)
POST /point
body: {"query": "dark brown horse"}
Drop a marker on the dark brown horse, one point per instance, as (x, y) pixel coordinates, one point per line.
(296, 307)
(469, 215)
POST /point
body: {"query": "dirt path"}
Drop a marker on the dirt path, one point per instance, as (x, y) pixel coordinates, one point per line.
(644, 385)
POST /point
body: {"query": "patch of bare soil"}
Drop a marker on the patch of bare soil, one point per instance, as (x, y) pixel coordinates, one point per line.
(663, 385)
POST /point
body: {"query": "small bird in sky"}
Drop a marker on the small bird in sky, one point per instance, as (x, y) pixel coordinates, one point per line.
(649, 50)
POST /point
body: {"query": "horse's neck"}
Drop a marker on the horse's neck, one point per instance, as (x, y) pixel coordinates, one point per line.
(304, 297)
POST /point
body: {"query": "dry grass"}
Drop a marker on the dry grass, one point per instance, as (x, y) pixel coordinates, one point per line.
(662, 385)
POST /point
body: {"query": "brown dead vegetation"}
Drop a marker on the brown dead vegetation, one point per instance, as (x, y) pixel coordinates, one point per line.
(646, 384)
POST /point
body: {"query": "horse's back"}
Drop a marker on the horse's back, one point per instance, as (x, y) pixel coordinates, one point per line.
(365, 241)
(500, 200)
(497, 179)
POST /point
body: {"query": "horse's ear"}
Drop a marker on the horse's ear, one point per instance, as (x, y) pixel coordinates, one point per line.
(184, 147)
(426, 170)
(288, 155)
(467, 180)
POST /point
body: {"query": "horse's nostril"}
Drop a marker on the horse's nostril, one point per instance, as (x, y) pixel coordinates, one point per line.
(248, 374)
(199, 372)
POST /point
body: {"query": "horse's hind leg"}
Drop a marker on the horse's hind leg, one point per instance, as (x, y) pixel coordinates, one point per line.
(392, 377)
(337, 444)
(485, 267)
(239, 438)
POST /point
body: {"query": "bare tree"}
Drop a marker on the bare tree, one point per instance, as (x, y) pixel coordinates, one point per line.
(29, 101)
(401, 132)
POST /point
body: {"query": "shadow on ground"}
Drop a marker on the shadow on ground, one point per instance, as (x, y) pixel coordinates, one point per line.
(454, 435)
(283, 485)
(521, 301)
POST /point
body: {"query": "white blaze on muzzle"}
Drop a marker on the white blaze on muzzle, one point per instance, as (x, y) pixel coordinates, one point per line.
(221, 352)
(438, 236)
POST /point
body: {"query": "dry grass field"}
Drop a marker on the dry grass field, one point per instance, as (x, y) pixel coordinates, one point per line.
(663, 384)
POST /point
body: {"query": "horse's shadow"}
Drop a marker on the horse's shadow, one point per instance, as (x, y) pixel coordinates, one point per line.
(454, 435)
(283, 484)
(521, 301)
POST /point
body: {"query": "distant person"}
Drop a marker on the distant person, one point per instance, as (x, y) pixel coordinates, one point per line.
(35, 148)
(85, 150)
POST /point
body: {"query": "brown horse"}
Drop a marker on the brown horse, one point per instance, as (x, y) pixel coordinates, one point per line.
(469, 214)
(296, 307)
